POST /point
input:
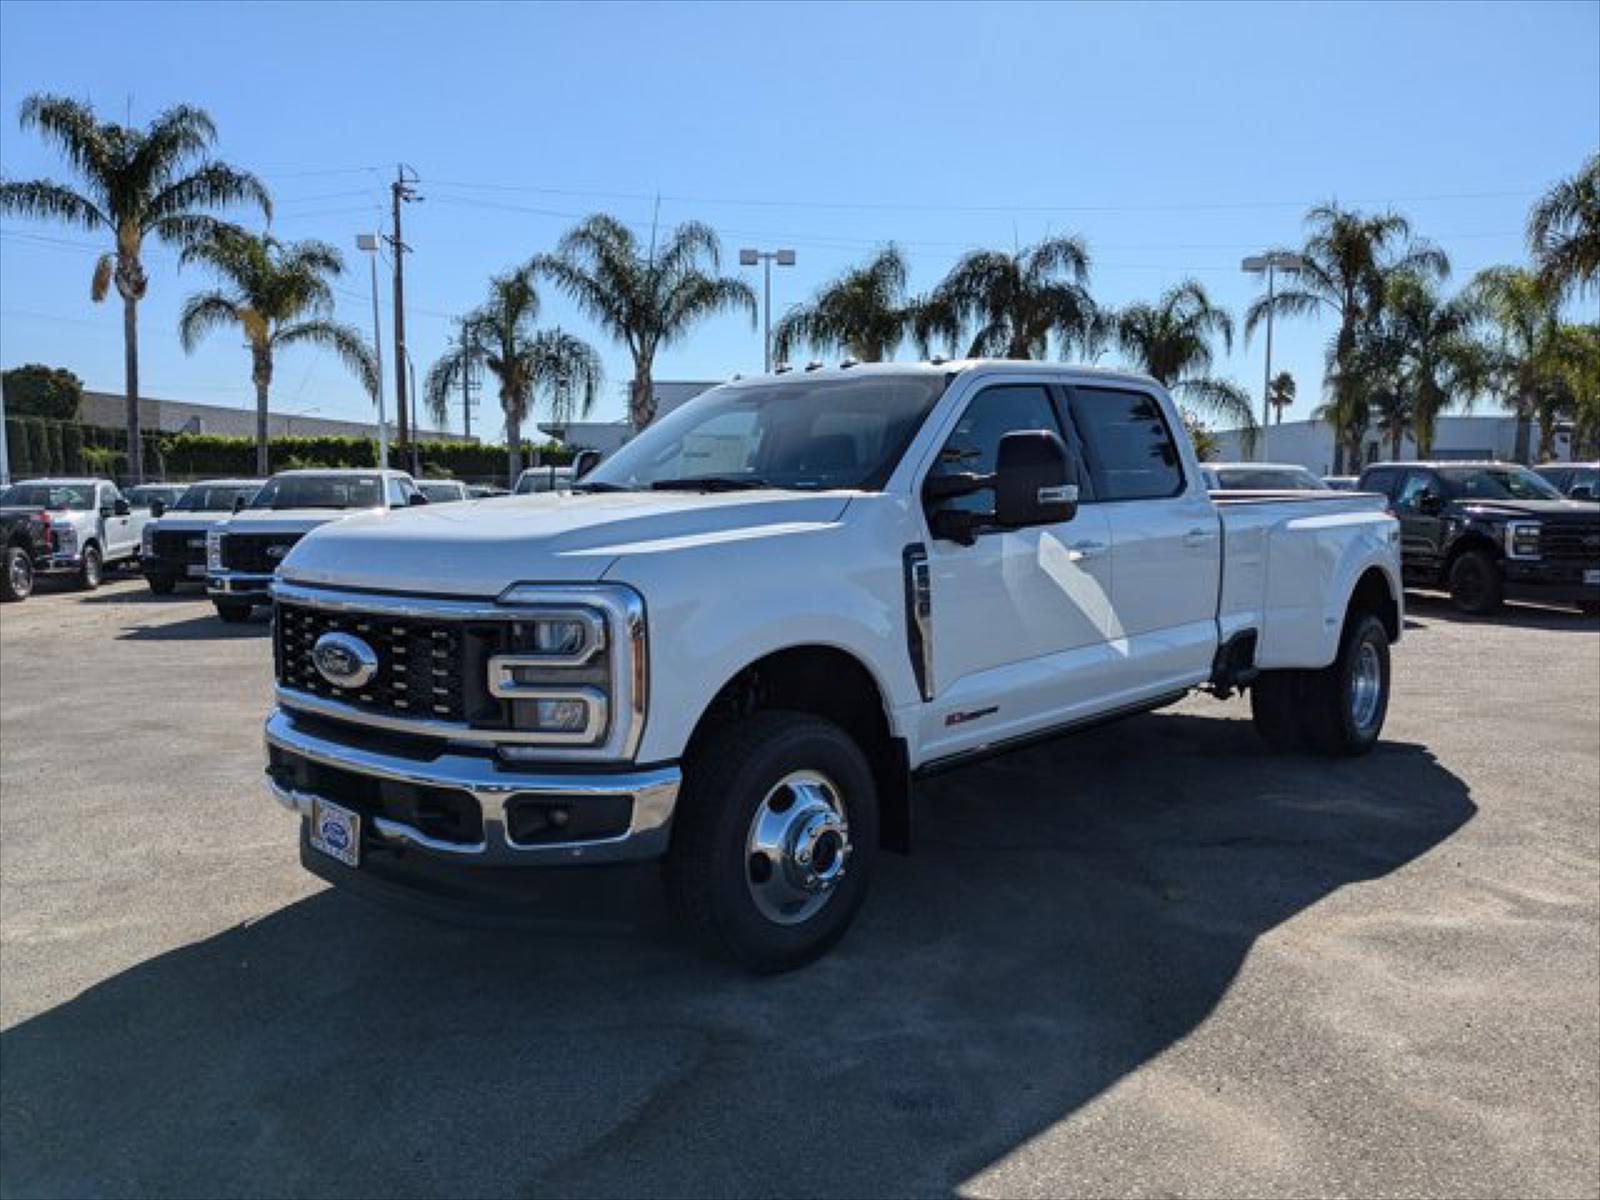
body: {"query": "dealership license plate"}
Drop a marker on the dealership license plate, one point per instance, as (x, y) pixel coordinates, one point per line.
(197, 570)
(1591, 576)
(336, 832)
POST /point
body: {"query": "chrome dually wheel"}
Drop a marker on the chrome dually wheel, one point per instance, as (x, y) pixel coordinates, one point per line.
(798, 847)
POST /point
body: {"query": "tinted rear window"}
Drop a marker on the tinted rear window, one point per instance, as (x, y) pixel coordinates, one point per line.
(1131, 451)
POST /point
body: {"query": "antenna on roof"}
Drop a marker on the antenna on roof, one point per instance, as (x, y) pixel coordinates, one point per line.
(937, 359)
(846, 363)
(814, 365)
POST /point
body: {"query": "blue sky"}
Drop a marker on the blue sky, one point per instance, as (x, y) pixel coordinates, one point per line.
(1174, 138)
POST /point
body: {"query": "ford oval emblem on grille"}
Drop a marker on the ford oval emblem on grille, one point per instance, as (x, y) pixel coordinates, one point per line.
(344, 661)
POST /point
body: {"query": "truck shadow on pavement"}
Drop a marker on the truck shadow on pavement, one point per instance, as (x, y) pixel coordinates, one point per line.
(1070, 913)
(201, 628)
(1422, 608)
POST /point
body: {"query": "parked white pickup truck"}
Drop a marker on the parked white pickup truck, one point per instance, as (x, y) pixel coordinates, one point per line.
(174, 546)
(740, 640)
(92, 525)
(243, 552)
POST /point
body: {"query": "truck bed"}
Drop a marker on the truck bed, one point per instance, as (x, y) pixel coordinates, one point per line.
(1289, 565)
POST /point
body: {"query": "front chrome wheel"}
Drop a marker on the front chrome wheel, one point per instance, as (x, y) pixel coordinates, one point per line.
(798, 848)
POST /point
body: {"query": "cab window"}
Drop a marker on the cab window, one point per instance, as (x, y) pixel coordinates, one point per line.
(1132, 454)
(974, 444)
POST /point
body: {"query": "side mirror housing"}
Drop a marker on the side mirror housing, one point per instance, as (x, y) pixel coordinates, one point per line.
(1035, 482)
(120, 508)
(1581, 492)
(158, 507)
(583, 462)
(415, 499)
(1430, 502)
(238, 503)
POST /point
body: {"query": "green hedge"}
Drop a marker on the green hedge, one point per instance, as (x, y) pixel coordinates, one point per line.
(38, 446)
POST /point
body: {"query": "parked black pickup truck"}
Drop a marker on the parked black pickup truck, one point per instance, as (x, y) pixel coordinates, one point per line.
(1488, 531)
(25, 534)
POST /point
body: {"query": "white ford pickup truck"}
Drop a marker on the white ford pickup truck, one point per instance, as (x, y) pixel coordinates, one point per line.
(739, 641)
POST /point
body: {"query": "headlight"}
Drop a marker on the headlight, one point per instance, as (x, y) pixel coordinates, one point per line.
(213, 550)
(572, 670)
(1522, 539)
(66, 539)
(147, 541)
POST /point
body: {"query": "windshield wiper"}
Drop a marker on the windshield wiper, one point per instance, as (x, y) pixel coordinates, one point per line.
(596, 485)
(712, 483)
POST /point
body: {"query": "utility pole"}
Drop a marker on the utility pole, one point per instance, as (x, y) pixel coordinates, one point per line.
(469, 344)
(402, 192)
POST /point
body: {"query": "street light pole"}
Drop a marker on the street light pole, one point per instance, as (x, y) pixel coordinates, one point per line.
(369, 243)
(1255, 264)
(749, 258)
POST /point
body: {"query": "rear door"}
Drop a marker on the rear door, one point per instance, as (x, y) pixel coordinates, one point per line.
(1165, 535)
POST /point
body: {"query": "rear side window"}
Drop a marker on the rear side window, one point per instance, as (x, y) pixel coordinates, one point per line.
(1131, 452)
(1379, 479)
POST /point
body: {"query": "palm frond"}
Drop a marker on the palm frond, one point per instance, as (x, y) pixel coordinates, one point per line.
(214, 185)
(71, 126)
(347, 342)
(44, 199)
(201, 314)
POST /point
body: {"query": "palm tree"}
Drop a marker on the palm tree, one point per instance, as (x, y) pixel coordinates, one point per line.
(133, 183)
(1171, 341)
(647, 298)
(1564, 232)
(1343, 267)
(1575, 354)
(1012, 303)
(863, 312)
(277, 295)
(1436, 358)
(1280, 394)
(1522, 313)
(527, 362)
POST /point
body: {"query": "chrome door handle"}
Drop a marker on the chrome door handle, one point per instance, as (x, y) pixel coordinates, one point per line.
(1079, 551)
(1198, 537)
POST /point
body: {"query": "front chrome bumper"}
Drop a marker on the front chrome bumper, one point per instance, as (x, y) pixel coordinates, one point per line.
(239, 583)
(653, 792)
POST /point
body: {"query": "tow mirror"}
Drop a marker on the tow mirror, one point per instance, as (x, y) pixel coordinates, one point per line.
(1581, 492)
(1034, 480)
(1429, 501)
(158, 507)
(238, 503)
(120, 508)
(416, 498)
(584, 462)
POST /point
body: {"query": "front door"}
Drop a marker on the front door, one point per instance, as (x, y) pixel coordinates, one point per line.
(119, 537)
(1421, 531)
(1166, 538)
(1018, 617)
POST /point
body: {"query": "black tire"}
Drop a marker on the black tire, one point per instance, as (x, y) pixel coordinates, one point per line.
(233, 611)
(16, 581)
(161, 585)
(1275, 707)
(93, 570)
(1475, 586)
(1334, 715)
(712, 875)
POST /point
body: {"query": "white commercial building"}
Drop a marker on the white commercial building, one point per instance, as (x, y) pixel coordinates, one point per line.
(1310, 443)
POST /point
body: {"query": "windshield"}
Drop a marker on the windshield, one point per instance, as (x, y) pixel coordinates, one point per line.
(141, 496)
(320, 491)
(441, 493)
(59, 497)
(1495, 483)
(201, 498)
(809, 435)
(1269, 479)
(544, 479)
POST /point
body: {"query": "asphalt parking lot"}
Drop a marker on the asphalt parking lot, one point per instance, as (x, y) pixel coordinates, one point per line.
(1151, 960)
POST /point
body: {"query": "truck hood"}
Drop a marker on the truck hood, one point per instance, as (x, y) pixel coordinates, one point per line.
(287, 520)
(193, 522)
(481, 547)
(1544, 510)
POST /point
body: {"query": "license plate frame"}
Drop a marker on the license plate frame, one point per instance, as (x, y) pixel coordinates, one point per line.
(336, 831)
